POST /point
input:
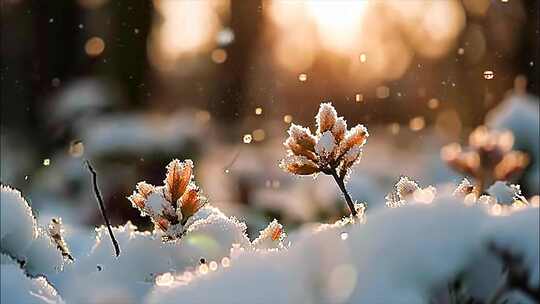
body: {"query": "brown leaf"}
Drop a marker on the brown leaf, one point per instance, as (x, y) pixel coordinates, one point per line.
(145, 189)
(137, 200)
(326, 118)
(299, 150)
(162, 223)
(177, 179)
(302, 137)
(191, 203)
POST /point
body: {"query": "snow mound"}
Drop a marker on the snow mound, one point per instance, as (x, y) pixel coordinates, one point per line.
(16, 287)
(401, 255)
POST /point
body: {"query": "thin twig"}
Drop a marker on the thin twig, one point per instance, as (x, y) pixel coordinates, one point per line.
(102, 207)
(341, 185)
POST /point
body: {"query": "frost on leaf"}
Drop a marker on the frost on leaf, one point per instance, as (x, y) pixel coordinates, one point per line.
(333, 146)
(171, 205)
(270, 237)
(464, 188)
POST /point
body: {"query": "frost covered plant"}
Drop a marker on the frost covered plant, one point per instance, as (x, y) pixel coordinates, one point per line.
(270, 237)
(333, 150)
(55, 231)
(406, 190)
(488, 158)
(170, 206)
(501, 198)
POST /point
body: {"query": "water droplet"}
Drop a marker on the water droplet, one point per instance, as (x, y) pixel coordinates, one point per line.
(94, 46)
(287, 118)
(433, 103)
(344, 236)
(382, 92)
(225, 262)
(258, 111)
(213, 266)
(46, 161)
(363, 58)
(227, 171)
(26, 177)
(219, 56)
(359, 97)
(302, 77)
(225, 36)
(203, 269)
(247, 138)
(417, 123)
(489, 74)
(259, 134)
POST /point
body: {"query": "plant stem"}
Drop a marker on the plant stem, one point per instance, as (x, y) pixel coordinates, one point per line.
(102, 208)
(341, 185)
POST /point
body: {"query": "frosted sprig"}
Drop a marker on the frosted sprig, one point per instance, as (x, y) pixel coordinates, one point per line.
(333, 146)
(332, 150)
(171, 205)
(501, 198)
(488, 158)
(270, 237)
(55, 231)
(407, 190)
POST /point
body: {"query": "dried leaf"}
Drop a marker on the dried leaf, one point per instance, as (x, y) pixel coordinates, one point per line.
(177, 179)
(191, 202)
(339, 129)
(303, 137)
(326, 117)
(145, 189)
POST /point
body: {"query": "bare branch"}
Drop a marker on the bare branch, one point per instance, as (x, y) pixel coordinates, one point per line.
(102, 207)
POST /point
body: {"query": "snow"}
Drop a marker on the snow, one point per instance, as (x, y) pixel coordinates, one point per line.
(16, 287)
(398, 256)
(326, 144)
(144, 255)
(23, 239)
(17, 223)
(503, 192)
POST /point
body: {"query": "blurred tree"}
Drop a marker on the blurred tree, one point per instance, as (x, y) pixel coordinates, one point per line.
(245, 22)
